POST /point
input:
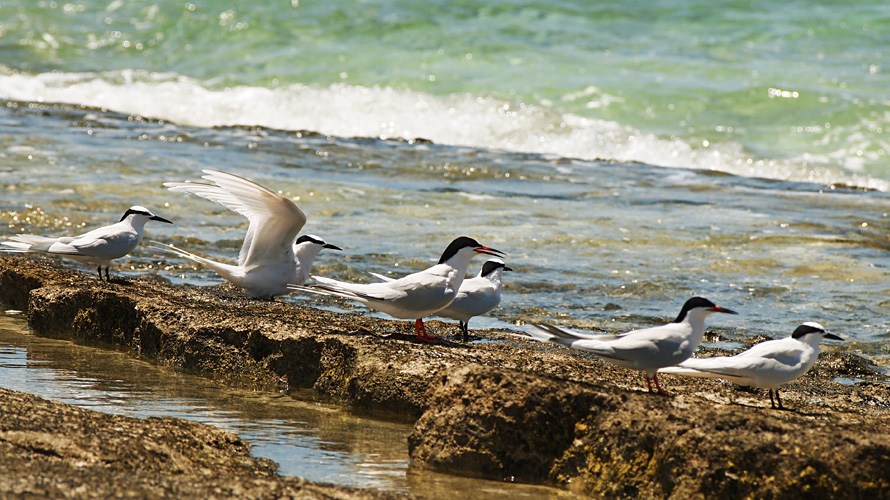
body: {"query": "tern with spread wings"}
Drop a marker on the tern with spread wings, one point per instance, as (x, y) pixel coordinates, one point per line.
(270, 259)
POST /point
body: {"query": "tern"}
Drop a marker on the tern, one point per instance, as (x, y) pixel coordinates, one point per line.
(477, 296)
(97, 247)
(415, 295)
(647, 349)
(766, 365)
(270, 259)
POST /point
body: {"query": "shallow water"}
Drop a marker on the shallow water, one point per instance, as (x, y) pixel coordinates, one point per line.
(625, 160)
(601, 245)
(305, 437)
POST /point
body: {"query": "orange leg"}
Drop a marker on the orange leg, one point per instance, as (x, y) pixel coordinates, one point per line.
(660, 391)
(421, 332)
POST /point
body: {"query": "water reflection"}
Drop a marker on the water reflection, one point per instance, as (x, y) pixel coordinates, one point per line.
(307, 438)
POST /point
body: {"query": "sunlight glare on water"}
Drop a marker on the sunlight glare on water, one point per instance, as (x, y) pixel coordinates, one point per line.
(582, 235)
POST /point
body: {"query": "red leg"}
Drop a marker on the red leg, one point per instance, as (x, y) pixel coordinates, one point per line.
(647, 381)
(421, 331)
(663, 393)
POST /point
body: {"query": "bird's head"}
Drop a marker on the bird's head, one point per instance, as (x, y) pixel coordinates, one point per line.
(493, 265)
(467, 247)
(700, 307)
(139, 214)
(310, 242)
(811, 330)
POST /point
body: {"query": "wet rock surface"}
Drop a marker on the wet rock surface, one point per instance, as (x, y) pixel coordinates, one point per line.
(54, 450)
(506, 409)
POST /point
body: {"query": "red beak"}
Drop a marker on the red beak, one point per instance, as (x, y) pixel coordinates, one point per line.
(723, 310)
(489, 251)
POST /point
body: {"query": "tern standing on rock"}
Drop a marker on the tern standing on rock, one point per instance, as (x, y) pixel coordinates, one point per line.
(477, 296)
(767, 365)
(413, 296)
(270, 259)
(97, 247)
(647, 349)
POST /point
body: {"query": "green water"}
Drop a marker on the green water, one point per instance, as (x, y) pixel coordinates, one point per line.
(798, 86)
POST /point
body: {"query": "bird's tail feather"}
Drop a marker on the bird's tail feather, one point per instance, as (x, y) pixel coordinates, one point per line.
(702, 368)
(333, 290)
(30, 243)
(227, 271)
(549, 333)
(14, 247)
(567, 334)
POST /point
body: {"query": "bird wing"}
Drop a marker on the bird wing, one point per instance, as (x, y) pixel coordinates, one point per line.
(571, 335)
(30, 243)
(381, 277)
(476, 296)
(769, 363)
(554, 334)
(416, 295)
(363, 292)
(425, 286)
(105, 243)
(274, 220)
(557, 335)
(633, 351)
(640, 349)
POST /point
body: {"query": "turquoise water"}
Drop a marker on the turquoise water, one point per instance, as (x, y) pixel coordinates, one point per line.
(789, 90)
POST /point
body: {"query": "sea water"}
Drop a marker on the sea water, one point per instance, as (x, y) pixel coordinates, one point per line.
(625, 156)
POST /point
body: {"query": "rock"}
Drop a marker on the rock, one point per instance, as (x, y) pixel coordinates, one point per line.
(513, 425)
(507, 409)
(54, 450)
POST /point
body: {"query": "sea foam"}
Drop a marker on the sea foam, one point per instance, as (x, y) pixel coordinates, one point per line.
(354, 111)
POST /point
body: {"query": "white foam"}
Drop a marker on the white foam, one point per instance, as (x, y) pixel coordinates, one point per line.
(353, 111)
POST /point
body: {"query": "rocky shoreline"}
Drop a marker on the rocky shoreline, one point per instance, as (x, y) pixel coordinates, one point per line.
(510, 409)
(55, 450)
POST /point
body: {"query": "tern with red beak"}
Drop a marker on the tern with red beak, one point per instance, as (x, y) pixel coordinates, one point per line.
(647, 349)
(414, 296)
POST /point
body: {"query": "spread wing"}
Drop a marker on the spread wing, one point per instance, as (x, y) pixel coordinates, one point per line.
(274, 220)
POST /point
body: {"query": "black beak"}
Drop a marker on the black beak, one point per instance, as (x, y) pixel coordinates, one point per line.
(508, 268)
(160, 219)
(332, 247)
(831, 336)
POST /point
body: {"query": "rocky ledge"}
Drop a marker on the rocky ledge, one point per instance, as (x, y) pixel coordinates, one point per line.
(54, 450)
(510, 409)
